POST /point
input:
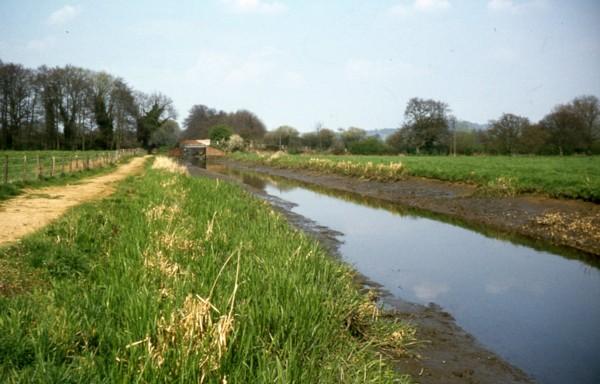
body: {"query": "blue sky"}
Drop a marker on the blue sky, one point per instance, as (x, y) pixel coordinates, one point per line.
(341, 63)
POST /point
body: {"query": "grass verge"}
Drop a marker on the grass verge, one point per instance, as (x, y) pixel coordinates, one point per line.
(185, 280)
(563, 177)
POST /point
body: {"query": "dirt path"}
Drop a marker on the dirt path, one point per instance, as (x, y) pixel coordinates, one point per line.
(36, 208)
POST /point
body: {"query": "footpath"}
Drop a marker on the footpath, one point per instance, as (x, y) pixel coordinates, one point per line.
(36, 208)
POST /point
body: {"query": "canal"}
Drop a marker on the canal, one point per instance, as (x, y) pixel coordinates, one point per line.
(536, 308)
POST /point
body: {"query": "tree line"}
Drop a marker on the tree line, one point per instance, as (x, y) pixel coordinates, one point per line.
(201, 120)
(76, 108)
(429, 128)
(569, 128)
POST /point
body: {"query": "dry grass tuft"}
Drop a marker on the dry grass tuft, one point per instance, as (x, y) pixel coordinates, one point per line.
(193, 330)
(384, 172)
(162, 212)
(568, 226)
(168, 164)
(156, 260)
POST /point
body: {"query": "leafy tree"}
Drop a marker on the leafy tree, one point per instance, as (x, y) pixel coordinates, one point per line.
(426, 125)
(284, 137)
(154, 110)
(220, 133)
(352, 135)
(166, 135)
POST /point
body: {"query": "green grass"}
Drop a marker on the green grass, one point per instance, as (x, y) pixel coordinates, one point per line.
(563, 177)
(118, 291)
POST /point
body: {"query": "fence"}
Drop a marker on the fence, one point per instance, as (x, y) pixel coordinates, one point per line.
(36, 166)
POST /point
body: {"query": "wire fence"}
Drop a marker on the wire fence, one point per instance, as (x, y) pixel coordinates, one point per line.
(33, 166)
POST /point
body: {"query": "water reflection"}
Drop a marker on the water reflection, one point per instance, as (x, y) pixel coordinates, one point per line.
(534, 308)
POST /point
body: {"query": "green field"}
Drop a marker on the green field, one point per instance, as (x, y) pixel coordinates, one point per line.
(176, 279)
(24, 170)
(564, 177)
(34, 165)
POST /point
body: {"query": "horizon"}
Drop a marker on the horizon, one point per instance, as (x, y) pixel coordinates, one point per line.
(300, 63)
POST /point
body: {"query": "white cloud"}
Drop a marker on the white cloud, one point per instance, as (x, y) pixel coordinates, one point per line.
(430, 291)
(255, 6)
(423, 6)
(511, 6)
(63, 15)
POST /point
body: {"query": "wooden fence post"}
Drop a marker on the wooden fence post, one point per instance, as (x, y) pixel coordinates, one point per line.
(53, 166)
(39, 166)
(6, 169)
(24, 174)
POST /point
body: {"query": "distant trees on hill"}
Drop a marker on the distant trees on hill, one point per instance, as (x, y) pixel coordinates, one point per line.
(570, 128)
(75, 108)
(429, 128)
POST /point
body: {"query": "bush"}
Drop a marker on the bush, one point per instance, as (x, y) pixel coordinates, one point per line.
(368, 146)
(235, 143)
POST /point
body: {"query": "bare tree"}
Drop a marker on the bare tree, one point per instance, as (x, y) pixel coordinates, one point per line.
(16, 103)
(506, 132)
(587, 110)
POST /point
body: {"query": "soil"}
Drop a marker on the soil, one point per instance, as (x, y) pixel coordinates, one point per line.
(569, 224)
(36, 208)
(446, 353)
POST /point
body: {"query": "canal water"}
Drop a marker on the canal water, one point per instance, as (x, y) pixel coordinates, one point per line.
(537, 309)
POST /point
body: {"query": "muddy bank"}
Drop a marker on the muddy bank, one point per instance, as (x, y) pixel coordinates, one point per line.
(565, 223)
(445, 354)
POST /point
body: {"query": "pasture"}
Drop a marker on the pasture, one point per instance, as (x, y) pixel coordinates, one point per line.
(573, 177)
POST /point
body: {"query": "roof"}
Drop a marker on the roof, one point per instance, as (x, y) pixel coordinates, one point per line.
(194, 143)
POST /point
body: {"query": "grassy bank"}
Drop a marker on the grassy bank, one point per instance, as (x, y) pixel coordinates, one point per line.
(188, 280)
(564, 177)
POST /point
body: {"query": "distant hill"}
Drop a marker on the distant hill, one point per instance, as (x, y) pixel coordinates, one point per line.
(383, 133)
(463, 125)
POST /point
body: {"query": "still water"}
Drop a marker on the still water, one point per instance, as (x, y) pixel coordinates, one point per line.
(538, 310)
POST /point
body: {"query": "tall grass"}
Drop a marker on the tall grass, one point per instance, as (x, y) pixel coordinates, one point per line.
(175, 279)
(564, 177)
